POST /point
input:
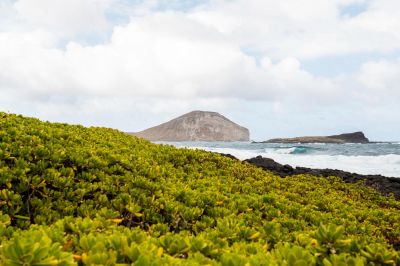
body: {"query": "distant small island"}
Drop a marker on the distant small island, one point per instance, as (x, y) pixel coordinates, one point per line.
(355, 137)
(196, 126)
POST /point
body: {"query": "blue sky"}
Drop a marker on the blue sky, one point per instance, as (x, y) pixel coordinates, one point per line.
(280, 68)
(354, 8)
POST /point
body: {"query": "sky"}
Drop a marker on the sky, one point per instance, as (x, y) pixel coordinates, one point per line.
(280, 68)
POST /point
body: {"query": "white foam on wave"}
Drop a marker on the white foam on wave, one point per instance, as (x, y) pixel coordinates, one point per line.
(387, 165)
(283, 150)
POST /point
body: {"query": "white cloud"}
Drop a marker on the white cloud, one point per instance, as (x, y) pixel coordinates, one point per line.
(216, 56)
(7, 14)
(381, 79)
(162, 55)
(305, 29)
(63, 18)
(202, 53)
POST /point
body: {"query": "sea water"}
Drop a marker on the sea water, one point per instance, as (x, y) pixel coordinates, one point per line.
(372, 158)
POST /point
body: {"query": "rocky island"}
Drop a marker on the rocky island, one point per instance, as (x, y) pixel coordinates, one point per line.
(196, 126)
(356, 137)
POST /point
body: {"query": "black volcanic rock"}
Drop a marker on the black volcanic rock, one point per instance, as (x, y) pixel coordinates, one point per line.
(356, 137)
(385, 185)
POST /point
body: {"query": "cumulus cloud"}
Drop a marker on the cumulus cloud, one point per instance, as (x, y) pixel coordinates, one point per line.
(380, 80)
(63, 18)
(162, 55)
(215, 55)
(206, 52)
(305, 29)
(7, 15)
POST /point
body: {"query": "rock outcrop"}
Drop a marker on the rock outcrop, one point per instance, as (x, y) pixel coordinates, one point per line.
(197, 126)
(385, 185)
(356, 137)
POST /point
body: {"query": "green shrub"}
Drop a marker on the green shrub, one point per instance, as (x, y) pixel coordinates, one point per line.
(71, 195)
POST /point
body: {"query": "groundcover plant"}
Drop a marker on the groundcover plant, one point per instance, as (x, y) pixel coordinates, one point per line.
(71, 195)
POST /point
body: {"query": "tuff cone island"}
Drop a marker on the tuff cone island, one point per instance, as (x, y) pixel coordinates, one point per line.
(197, 126)
(71, 195)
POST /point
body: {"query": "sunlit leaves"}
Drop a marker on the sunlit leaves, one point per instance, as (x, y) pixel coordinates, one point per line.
(94, 196)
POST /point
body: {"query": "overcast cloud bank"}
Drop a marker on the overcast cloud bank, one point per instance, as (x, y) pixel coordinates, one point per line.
(111, 63)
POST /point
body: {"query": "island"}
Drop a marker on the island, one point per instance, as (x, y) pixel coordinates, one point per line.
(355, 137)
(196, 126)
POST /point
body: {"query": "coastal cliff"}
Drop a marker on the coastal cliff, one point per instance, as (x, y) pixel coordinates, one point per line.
(196, 126)
(355, 137)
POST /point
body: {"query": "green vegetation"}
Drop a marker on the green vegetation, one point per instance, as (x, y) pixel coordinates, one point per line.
(71, 195)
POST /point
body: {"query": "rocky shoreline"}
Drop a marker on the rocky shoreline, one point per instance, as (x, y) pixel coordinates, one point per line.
(385, 185)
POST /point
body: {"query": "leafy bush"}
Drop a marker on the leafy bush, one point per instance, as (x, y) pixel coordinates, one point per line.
(71, 195)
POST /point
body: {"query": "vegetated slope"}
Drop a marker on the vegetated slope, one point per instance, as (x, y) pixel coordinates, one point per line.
(71, 195)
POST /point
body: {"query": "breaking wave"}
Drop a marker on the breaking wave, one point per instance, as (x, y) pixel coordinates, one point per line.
(293, 150)
(386, 165)
(379, 158)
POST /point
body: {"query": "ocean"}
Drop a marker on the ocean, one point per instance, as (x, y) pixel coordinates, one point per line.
(373, 158)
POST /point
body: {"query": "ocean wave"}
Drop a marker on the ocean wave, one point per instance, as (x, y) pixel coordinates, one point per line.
(292, 150)
(387, 165)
